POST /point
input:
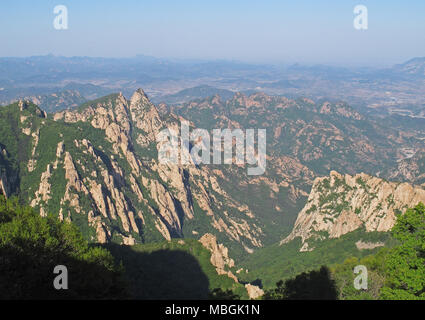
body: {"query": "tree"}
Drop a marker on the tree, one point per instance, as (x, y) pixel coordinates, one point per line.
(344, 276)
(276, 294)
(32, 246)
(220, 294)
(313, 285)
(405, 265)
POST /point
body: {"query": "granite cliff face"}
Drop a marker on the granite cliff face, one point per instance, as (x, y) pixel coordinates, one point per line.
(4, 185)
(340, 204)
(223, 263)
(219, 255)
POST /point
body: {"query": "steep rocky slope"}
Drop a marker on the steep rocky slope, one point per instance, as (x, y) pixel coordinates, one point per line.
(97, 166)
(4, 183)
(219, 255)
(305, 139)
(411, 168)
(321, 135)
(340, 204)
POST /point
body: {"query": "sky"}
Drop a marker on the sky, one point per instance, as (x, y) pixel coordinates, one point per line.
(298, 31)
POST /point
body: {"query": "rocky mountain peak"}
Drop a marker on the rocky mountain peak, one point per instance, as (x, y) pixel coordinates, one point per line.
(139, 97)
(339, 204)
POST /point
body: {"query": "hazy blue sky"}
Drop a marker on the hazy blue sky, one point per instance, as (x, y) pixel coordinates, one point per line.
(257, 31)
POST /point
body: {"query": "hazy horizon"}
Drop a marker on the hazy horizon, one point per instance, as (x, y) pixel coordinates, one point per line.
(220, 60)
(271, 32)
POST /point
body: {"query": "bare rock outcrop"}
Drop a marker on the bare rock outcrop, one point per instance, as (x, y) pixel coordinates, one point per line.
(4, 185)
(219, 255)
(43, 192)
(145, 116)
(361, 245)
(167, 208)
(342, 203)
(254, 292)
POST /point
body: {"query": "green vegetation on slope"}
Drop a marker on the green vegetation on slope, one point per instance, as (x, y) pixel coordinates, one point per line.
(274, 263)
(405, 264)
(30, 248)
(344, 276)
(393, 274)
(173, 270)
(313, 285)
(396, 273)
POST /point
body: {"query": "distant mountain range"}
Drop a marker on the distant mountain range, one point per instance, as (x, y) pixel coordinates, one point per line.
(395, 90)
(199, 92)
(415, 66)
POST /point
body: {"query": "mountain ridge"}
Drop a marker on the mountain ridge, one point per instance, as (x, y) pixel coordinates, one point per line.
(119, 183)
(340, 204)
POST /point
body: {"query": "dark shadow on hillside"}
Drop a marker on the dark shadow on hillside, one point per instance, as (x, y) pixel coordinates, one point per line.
(162, 274)
(314, 285)
(26, 273)
(257, 282)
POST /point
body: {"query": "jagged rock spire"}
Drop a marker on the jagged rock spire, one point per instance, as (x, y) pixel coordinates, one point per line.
(139, 96)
